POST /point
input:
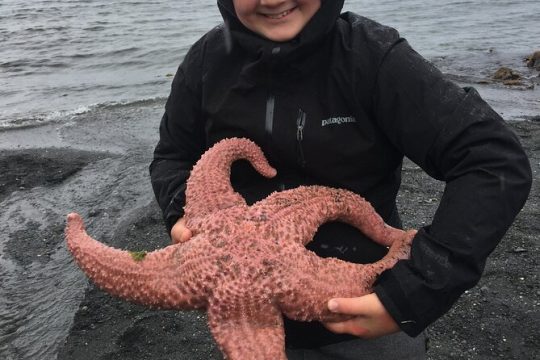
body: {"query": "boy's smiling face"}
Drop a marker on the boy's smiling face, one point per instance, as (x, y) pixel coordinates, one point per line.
(277, 20)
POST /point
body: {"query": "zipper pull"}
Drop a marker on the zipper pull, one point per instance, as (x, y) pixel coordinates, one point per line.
(300, 123)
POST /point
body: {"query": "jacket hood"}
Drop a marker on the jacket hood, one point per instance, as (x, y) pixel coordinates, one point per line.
(315, 30)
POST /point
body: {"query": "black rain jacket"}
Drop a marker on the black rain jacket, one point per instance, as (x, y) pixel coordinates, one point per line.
(341, 105)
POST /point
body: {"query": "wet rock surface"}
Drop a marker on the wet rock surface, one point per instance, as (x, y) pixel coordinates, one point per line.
(29, 168)
(505, 73)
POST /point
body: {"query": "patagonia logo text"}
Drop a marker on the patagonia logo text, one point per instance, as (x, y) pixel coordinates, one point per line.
(338, 120)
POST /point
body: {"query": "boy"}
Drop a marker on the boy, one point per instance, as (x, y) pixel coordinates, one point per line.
(338, 100)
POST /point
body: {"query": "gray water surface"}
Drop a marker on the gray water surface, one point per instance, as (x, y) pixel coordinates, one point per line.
(59, 59)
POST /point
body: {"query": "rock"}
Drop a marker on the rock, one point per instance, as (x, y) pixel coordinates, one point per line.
(508, 77)
(505, 73)
(533, 60)
(512, 82)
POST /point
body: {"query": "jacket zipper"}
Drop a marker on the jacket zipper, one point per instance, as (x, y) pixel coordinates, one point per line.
(269, 127)
(269, 121)
(270, 104)
(300, 124)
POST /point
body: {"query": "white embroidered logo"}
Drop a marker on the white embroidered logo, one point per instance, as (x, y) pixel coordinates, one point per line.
(338, 120)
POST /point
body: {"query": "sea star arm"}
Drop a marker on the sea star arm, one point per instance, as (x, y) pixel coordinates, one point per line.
(209, 188)
(300, 212)
(307, 289)
(246, 327)
(170, 278)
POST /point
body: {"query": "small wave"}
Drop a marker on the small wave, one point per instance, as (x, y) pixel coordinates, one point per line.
(62, 116)
(104, 55)
(42, 119)
(79, 56)
(18, 65)
(14, 64)
(123, 51)
(133, 103)
(116, 64)
(95, 28)
(47, 29)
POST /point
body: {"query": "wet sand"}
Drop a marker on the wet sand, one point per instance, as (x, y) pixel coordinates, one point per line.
(496, 319)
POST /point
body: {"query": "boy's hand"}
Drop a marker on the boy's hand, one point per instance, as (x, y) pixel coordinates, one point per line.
(371, 318)
(179, 232)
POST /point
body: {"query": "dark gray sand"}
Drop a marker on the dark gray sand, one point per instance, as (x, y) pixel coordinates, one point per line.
(496, 319)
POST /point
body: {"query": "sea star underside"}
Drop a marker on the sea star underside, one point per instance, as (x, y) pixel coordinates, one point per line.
(246, 265)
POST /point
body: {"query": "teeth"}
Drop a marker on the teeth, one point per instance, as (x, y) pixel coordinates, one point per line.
(279, 16)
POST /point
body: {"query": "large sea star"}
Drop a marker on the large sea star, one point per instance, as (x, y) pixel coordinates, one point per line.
(246, 265)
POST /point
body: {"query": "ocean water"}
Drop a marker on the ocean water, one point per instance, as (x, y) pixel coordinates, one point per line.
(60, 59)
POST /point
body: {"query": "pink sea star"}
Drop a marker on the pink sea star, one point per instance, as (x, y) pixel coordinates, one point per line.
(246, 265)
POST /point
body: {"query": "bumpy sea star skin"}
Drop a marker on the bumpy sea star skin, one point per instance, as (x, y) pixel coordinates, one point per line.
(246, 265)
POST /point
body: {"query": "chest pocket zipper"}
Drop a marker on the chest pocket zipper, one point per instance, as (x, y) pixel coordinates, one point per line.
(269, 118)
(300, 124)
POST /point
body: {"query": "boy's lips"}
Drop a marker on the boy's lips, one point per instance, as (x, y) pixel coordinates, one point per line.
(278, 16)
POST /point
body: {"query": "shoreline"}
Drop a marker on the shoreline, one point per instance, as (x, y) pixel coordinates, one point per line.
(109, 184)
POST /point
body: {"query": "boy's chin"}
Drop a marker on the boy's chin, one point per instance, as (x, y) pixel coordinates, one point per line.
(280, 36)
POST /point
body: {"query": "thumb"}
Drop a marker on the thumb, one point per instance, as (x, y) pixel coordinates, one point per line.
(185, 235)
(179, 232)
(347, 306)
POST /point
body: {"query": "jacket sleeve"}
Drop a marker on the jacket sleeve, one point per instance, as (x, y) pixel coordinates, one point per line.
(455, 137)
(181, 139)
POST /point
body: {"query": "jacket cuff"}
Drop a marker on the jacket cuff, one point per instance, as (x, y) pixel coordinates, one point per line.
(390, 294)
(170, 220)
(417, 291)
(174, 211)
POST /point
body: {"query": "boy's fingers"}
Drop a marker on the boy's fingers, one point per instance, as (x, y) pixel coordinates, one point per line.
(370, 318)
(336, 327)
(347, 327)
(179, 232)
(348, 306)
